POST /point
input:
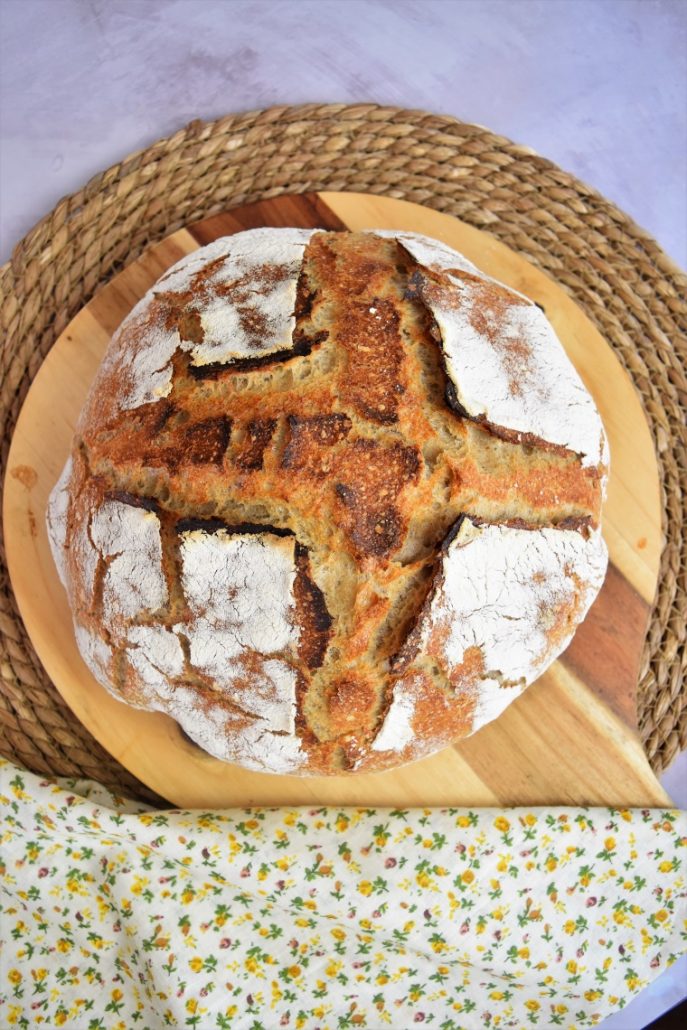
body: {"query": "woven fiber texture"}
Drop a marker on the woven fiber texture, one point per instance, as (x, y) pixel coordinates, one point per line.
(616, 273)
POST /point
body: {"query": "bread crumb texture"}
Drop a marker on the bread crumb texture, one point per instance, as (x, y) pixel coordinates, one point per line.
(333, 500)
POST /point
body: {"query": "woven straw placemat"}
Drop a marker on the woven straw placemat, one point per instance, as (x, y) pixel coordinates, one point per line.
(616, 273)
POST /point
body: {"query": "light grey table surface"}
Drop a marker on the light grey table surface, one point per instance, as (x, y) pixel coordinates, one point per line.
(598, 86)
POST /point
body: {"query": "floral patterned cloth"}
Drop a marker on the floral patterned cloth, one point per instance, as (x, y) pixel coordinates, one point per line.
(118, 916)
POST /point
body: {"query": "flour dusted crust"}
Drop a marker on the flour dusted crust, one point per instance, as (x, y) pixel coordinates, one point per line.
(504, 361)
(56, 517)
(244, 293)
(239, 590)
(333, 500)
(503, 598)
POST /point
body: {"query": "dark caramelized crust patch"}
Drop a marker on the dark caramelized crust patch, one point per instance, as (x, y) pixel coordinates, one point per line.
(133, 500)
(145, 435)
(372, 381)
(249, 453)
(174, 444)
(370, 479)
(205, 442)
(305, 297)
(310, 439)
(150, 419)
(312, 616)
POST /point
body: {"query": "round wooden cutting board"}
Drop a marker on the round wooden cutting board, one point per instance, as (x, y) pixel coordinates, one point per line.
(570, 738)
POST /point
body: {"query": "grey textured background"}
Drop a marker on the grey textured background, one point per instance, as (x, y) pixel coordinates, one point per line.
(598, 86)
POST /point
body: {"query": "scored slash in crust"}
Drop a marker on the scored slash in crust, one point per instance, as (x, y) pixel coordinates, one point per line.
(504, 602)
(506, 366)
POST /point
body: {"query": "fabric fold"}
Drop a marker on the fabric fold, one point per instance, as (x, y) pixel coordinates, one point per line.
(116, 915)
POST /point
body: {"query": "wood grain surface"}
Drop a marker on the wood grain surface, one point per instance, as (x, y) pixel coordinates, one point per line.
(570, 738)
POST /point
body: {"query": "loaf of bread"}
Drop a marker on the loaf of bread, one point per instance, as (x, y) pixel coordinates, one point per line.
(333, 500)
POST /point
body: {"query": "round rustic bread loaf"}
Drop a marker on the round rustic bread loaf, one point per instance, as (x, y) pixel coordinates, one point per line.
(333, 500)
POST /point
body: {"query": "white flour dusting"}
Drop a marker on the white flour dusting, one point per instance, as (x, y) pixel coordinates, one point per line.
(58, 506)
(246, 310)
(85, 560)
(155, 653)
(144, 370)
(502, 590)
(397, 729)
(550, 400)
(95, 653)
(430, 252)
(510, 367)
(239, 588)
(228, 735)
(256, 317)
(134, 581)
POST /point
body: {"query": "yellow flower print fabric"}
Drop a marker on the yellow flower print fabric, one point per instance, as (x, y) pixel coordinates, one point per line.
(119, 916)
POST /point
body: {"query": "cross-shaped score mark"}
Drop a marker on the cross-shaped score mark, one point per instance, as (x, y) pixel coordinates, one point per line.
(350, 444)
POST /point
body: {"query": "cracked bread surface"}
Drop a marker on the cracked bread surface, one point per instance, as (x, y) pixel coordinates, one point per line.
(333, 500)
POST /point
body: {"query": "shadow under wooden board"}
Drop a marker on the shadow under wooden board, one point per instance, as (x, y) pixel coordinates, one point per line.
(570, 738)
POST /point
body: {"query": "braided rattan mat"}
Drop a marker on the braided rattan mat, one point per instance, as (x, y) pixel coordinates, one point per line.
(615, 272)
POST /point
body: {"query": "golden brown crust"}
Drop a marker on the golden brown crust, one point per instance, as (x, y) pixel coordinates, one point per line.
(438, 717)
(351, 702)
